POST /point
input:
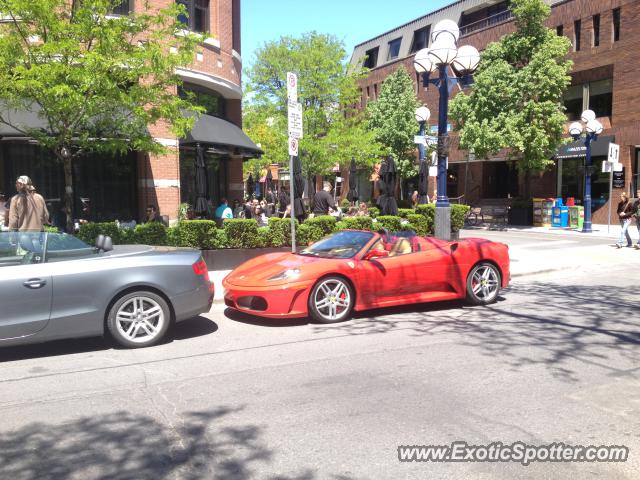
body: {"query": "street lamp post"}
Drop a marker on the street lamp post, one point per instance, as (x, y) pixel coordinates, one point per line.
(593, 128)
(443, 53)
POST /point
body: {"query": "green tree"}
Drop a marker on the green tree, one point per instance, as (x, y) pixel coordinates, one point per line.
(328, 91)
(516, 101)
(95, 80)
(392, 120)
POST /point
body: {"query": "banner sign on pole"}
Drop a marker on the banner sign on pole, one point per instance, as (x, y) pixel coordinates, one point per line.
(295, 120)
(618, 178)
(420, 140)
(293, 146)
(292, 87)
(614, 153)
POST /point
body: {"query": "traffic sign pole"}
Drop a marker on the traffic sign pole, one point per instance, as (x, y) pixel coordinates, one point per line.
(294, 114)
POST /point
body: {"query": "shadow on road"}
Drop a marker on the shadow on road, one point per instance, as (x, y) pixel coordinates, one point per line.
(125, 446)
(192, 328)
(539, 323)
(249, 319)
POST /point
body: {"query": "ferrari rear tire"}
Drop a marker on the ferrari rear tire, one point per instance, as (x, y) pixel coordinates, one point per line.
(331, 300)
(139, 319)
(483, 284)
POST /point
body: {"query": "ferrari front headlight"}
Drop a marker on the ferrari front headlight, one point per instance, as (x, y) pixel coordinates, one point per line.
(290, 273)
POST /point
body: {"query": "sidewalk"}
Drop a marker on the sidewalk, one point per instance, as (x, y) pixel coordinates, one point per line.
(599, 231)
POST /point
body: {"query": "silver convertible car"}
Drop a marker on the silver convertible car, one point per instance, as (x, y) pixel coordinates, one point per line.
(55, 286)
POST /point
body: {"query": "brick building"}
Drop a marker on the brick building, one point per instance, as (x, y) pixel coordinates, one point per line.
(120, 187)
(605, 52)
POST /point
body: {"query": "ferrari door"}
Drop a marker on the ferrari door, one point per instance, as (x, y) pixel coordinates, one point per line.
(436, 270)
(385, 279)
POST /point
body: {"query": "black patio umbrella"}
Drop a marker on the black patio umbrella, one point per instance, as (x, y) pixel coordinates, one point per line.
(352, 194)
(201, 182)
(250, 186)
(387, 201)
(423, 179)
(269, 180)
(298, 183)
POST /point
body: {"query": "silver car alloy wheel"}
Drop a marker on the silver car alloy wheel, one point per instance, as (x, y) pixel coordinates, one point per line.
(332, 299)
(139, 319)
(485, 282)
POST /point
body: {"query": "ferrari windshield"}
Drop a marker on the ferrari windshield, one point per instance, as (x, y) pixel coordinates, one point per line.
(344, 244)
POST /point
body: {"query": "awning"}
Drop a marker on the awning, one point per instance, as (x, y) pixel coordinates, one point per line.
(577, 149)
(209, 130)
(27, 118)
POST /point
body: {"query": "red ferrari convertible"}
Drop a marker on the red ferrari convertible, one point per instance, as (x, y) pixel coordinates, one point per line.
(360, 270)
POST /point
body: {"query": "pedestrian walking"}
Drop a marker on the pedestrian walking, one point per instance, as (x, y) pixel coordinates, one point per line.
(625, 214)
(28, 210)
(636, 213)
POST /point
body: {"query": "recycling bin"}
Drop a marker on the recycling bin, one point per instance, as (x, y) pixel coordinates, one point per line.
(560, 217)
(576, 217)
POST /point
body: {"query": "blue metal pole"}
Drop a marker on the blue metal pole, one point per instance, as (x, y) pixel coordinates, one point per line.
(586, 228)
(442, 200)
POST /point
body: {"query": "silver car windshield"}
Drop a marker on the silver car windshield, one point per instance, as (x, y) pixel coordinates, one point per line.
(24, 248)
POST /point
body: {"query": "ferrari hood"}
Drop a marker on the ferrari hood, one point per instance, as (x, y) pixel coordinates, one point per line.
(255, 272)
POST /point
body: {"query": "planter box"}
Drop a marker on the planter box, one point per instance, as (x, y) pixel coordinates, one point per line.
(522, 216)
(230, 258)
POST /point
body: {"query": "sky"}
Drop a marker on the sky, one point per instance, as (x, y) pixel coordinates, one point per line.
(352, 21)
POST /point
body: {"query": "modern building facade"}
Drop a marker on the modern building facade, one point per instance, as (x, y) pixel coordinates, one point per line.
(606, 56)
(122, 187)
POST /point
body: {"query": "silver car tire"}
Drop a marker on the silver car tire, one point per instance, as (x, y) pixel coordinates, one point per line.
(139, 319)
(331, 300)
(483, 284)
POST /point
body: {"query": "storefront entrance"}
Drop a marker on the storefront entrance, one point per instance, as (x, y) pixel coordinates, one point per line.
(109, 182)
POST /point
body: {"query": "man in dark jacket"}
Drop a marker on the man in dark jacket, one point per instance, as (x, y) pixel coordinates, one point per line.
(323, 201)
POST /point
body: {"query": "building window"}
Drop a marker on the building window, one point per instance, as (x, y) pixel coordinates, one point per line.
(573, 103)
(597, 96)
(420, 39)
(123, 8)
(212, 102)
(616, 24)
(371, 59)
(368, 92)
(596, 30)
(577, 26)
(197, 16)
(601, 97)
(375, 90)
(560, 30)
(394, 48)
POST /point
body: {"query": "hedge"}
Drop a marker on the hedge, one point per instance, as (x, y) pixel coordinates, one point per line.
(325, 223)
(357, 223)
(390, 222)
(240, 233)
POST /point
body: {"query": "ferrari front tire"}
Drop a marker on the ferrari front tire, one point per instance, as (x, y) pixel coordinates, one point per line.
(331, 300)
(139, 319)
(483, 284)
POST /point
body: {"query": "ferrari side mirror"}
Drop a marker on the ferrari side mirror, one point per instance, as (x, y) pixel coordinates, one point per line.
(454, 247)
(371, 254)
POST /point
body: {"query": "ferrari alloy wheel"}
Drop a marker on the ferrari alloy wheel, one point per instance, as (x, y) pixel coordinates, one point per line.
(139, 319)
(331, 300)
(483, 284)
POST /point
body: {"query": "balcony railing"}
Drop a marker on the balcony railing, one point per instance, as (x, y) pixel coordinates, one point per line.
(487, 22)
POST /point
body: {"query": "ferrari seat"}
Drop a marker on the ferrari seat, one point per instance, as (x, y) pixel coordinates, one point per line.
(401, 247)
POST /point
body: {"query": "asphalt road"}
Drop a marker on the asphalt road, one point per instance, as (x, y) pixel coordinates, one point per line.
(557, 359)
